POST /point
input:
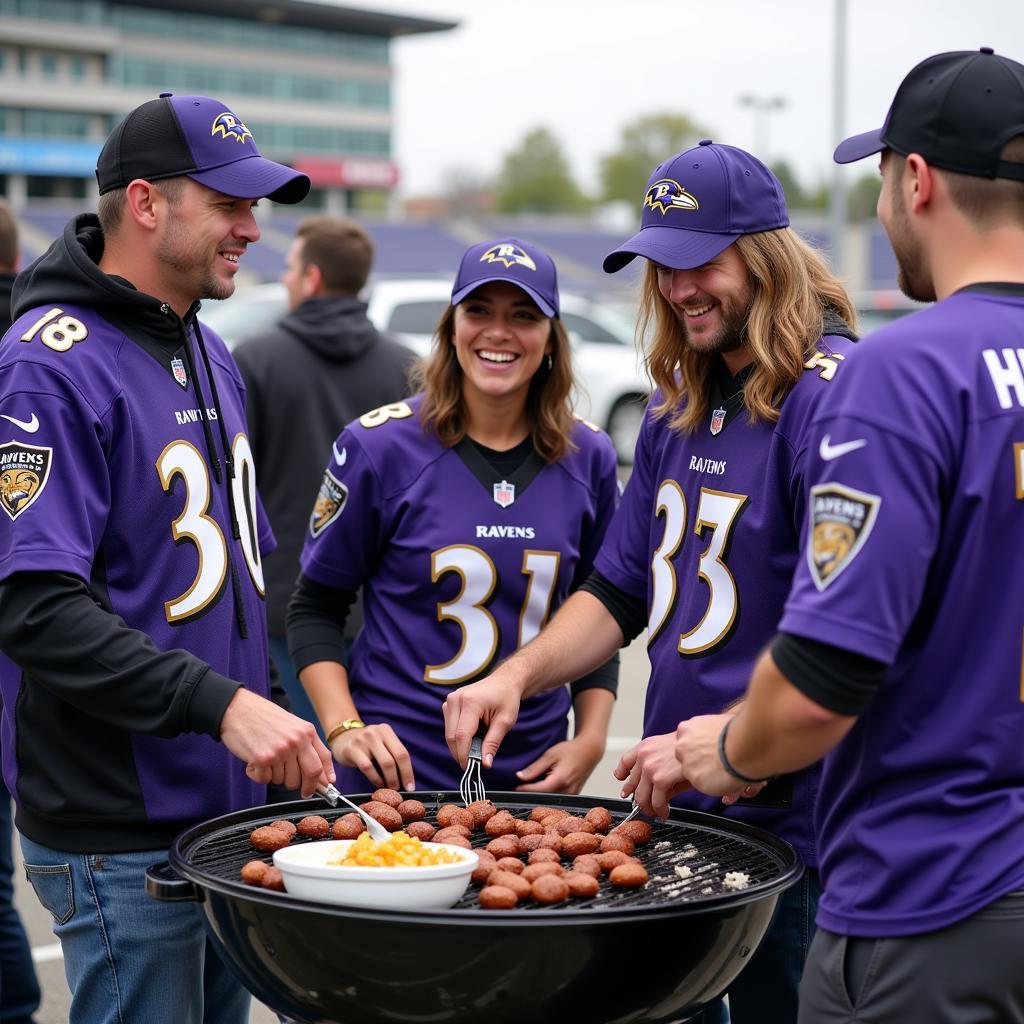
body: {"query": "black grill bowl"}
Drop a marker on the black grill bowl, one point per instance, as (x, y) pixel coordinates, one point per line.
(650, 956)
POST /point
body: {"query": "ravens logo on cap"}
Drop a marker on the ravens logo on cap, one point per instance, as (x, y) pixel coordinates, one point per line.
(666, 194)
(228, 126)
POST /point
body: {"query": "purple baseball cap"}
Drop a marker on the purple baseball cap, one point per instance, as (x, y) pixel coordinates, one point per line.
(698, 203)
(198, 137)
(509, 259)
(957, 110)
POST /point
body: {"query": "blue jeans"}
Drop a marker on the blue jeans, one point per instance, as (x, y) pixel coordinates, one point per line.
(766, 991)
(129, 959)
(19, 988)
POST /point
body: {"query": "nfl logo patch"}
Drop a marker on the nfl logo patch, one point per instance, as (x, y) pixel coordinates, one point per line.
(178, 367)
(717, 420)
(504, 493)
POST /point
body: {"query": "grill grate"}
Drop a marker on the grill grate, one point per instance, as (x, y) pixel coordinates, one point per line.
(708, 852)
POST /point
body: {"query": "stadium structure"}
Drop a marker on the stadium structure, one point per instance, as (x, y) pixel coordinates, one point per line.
(313, 81)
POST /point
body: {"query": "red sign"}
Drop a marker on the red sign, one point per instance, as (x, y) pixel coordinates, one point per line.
(349, 171)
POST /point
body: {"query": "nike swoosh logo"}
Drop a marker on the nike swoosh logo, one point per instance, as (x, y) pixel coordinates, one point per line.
(829, 451)
(339, 457)
(29, 426)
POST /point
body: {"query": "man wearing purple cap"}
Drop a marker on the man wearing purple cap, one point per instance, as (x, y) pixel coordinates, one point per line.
(749, 331)
(913, 548)
(132, 619)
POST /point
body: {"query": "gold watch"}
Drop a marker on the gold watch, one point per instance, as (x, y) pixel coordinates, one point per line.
(349, 723)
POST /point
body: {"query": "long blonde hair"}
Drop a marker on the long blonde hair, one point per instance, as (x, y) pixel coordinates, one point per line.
(791, 290)
(548, 409)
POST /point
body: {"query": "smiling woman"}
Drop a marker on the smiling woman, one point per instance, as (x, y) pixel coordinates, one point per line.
(500, 339)
(441, 511)
(502, 371)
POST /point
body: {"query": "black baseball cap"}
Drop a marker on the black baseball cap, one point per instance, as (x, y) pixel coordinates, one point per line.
(198, 137)
(957, 110)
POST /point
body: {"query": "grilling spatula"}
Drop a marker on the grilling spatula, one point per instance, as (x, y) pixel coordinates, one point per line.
(377, 831)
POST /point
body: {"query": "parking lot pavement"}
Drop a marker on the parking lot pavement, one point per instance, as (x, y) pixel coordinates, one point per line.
(627, 721)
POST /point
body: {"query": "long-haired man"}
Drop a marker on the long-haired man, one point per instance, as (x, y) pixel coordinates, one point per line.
(908, 589)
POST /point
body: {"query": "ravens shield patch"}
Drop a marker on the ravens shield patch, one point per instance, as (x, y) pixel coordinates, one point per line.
(841, 520)
(329, 503)
(24, 470)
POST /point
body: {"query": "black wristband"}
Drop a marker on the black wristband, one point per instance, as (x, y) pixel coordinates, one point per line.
(724, 758)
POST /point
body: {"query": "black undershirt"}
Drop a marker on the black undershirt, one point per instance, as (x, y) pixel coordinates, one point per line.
(506, 462)
(628, 611)
(842, 681)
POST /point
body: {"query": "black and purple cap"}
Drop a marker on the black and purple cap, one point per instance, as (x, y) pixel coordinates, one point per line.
(198, 137)
(509, 259)
(957, 110)
(698, 203)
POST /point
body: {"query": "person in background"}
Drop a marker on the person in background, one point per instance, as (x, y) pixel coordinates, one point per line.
(19, 987)
(749, 332)
(320, 367)
(898, 655)
(467, 514)
(134, 669)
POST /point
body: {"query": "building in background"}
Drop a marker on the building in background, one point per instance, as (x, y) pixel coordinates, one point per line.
(311, 80)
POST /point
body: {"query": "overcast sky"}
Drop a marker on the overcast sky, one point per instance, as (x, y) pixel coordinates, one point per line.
(584, 68)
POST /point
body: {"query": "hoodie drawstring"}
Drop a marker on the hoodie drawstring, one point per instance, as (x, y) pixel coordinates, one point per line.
(211, 448)
(229, 457)
(229, 462)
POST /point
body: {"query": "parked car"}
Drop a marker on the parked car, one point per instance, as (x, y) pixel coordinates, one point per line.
(877, 308)
(613, 391)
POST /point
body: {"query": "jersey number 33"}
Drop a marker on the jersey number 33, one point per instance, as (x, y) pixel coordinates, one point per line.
(717, 511)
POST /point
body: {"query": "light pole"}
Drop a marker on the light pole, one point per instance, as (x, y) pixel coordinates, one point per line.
(837, 200)
(762, 107)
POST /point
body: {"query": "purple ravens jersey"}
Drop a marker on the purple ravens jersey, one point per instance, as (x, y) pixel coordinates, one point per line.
(104, 475)
(913, 539)
(707, 535)
(460, 567)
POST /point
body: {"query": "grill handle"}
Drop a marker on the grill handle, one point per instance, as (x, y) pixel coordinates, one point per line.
(163, 883)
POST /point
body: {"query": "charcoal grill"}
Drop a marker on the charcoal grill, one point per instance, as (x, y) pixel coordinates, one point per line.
(650, 956)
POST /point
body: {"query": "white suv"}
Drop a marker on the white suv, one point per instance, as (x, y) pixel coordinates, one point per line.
(612, 390)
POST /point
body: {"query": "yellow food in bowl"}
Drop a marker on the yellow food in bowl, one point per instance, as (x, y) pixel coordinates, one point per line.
(400, 850)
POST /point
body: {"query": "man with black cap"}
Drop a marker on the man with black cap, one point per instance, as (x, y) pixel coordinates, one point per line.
(914, 546)
(132, 622)
(749, 331)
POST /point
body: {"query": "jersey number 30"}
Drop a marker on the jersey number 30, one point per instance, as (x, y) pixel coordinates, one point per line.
(182, 459)
(719, 512)
(480, 637)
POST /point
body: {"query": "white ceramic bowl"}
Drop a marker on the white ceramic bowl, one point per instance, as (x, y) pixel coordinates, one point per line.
(308, 876)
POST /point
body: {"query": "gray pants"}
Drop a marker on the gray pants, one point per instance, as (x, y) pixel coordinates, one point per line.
(969, 973)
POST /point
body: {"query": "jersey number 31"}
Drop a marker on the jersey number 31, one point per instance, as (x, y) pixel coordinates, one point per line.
(480, 639)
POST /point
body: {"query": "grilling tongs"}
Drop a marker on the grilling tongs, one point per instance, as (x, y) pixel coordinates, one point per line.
(375, 828)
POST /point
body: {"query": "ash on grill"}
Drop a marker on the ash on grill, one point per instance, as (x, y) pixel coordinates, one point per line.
(686, 863)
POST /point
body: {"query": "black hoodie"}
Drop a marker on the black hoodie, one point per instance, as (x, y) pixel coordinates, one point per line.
(322, 366)
(88, 681)
(6, 284)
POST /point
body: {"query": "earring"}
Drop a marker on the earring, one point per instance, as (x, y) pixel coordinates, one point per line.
(551, 362)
